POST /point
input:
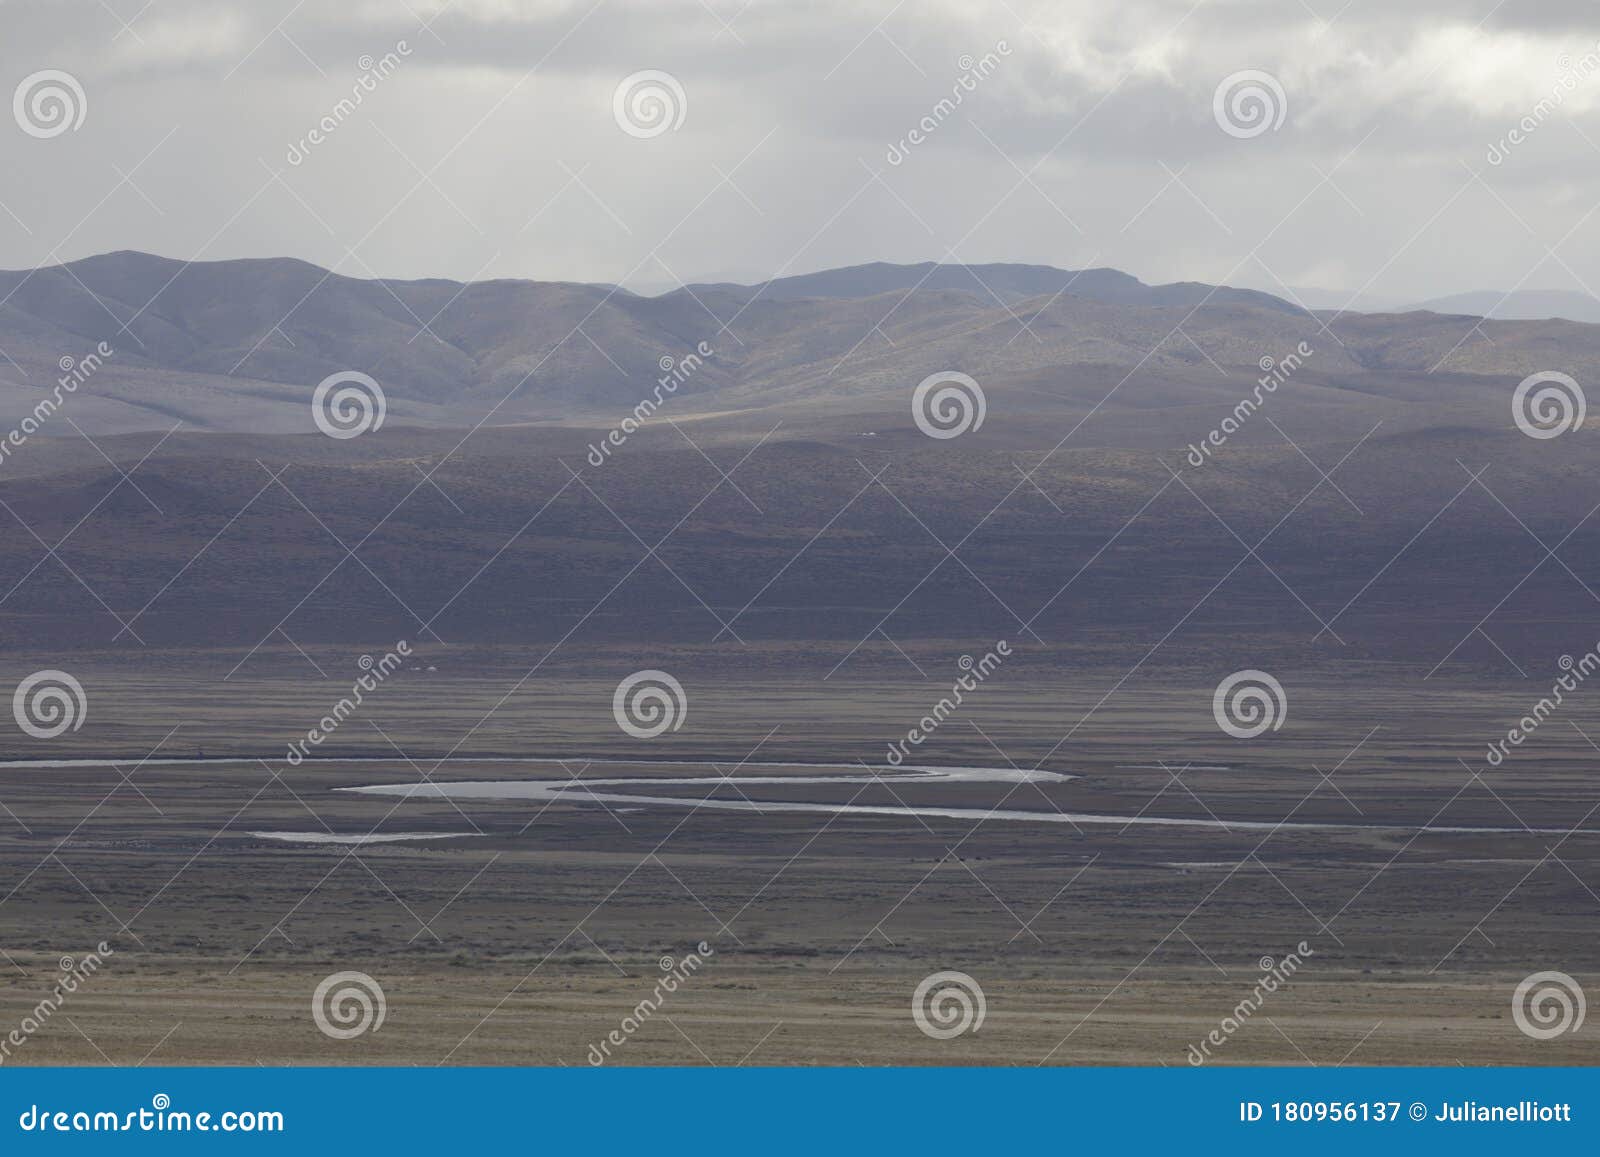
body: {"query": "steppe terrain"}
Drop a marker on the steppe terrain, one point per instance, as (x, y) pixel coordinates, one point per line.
(537, 927)
(1378, 536)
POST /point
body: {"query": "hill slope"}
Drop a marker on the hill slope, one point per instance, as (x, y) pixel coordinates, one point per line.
(241, 345)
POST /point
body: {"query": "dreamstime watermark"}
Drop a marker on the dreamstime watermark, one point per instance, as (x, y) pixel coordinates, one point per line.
(1577, 670)
(947, 1004)
(648, 103)
(48, 103)
(1571, 76)
(348, 1004)
(649, 703)
(1274, 975)
(976, 671)
(73, 974)
(1248, 703)
(348, 404)
(49, 703)
(1547, 1004)
(1548, 404)
(376, 671)
(948, 404)
(373, 72)
(674, 372)
(160, 1117)
(1248, 103)
(676, 973)
(1274, 373)
(972, 73)
(74, 372)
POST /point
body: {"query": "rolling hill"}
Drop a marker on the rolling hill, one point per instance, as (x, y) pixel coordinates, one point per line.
(239, 346)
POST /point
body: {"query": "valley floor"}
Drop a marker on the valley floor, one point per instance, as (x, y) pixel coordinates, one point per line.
(539, 927)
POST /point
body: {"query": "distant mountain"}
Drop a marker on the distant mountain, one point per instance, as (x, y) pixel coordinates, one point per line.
(240, 346)
(997, 282)
(1316, 298)
(1524, 305)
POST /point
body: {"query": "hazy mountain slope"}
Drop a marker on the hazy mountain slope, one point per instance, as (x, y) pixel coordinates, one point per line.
(1521, 304)
(995, 283)
(1432, 342)
(240, 345)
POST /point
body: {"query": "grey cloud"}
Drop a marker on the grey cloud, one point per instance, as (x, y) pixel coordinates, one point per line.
(491, 150)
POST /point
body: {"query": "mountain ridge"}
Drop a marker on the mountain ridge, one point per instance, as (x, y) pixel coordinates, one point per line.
(241, 344)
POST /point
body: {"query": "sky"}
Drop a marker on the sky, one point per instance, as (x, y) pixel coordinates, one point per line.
(1397, 151)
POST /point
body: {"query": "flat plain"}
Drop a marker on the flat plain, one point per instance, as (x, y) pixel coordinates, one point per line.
(537, 928)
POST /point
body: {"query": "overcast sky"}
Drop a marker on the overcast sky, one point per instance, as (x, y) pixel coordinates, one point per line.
(493, 147)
